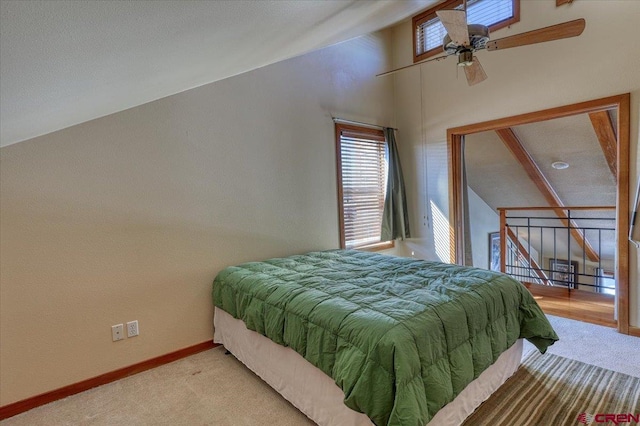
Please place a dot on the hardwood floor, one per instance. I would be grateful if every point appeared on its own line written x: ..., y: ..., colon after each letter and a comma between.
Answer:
x: 579, y: 305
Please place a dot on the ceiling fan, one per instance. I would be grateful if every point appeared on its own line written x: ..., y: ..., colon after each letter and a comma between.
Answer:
x: 463, y: 40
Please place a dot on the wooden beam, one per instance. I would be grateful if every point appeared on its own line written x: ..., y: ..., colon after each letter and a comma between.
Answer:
x: 514, y: 145
x: 603, y: 127
x: 561, y: 2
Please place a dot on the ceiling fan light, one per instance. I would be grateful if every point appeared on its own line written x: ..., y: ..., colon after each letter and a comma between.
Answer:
x: 465, y: 58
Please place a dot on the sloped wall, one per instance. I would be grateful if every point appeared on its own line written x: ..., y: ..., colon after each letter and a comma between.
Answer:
x: 131, y: 216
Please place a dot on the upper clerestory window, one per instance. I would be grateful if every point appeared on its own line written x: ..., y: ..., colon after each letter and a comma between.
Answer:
x: 428, y: 31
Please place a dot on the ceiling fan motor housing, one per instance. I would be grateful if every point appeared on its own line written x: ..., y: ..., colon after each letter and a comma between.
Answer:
x: 465, y: 58
x: 478, y: 38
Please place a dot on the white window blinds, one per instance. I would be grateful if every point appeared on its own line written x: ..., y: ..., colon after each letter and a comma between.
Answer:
x: 362, y: 179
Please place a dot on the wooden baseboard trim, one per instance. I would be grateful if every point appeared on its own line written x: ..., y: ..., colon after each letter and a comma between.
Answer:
x: 634, y: 331
x: 18, y: 407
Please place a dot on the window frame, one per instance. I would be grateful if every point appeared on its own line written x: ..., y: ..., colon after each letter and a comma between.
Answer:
x: 375, y: 134
x: 429, y: 14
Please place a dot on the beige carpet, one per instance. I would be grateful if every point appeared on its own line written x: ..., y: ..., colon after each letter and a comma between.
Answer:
x: 552, y: 390
x: 211, y: 388
x: 595, y: 344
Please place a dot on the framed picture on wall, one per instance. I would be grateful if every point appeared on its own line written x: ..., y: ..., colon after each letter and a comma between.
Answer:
x: 494, y: 251
x: 562, y: 273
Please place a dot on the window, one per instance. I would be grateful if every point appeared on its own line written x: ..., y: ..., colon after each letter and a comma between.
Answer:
x: 428, y: 30
x: 362, y: 178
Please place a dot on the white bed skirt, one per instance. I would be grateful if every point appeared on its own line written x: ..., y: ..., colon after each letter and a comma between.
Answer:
x: 316, y: 394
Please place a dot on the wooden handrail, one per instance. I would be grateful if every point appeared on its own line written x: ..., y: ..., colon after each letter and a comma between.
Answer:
x: 561, y: 208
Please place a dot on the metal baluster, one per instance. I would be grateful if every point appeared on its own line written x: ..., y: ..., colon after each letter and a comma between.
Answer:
x: 599, y: 259
x: 584, y: 254
x: 569, y: 284
x: 529, y: 244
x: 541, y: 251
x: 555, y: 254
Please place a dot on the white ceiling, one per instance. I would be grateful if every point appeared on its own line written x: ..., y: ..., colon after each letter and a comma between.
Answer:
x: 67, y: 62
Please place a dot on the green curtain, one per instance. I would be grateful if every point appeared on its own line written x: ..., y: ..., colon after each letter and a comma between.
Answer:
x: 395, y: 217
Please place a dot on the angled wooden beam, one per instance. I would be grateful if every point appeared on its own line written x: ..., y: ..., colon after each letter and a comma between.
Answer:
x: 561, y: 2
x: 525, y: 254
x: 514, y: 145
x: 603, y: 127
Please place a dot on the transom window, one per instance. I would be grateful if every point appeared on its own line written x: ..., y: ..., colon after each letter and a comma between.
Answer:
x: 362, y: 178
x: 429, y: 31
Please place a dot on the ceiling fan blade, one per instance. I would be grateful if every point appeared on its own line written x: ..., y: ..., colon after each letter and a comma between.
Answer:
x: 554, y: 32
x: 455, y: 22
x: 438, y: 58
x: 474, y: 72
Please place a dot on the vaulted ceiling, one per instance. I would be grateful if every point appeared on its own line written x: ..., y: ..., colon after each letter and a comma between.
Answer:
x: 66, y: 62
x: 499, y: 178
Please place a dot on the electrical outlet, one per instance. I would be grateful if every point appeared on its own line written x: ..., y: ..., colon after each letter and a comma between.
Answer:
x: 132, y: 328
x: 117, y: 332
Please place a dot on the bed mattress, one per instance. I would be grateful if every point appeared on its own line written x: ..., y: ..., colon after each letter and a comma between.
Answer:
x: 401, y: 337
x: 316, y: 394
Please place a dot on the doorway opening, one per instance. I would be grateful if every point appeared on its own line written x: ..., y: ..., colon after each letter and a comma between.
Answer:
x: 544, y: 196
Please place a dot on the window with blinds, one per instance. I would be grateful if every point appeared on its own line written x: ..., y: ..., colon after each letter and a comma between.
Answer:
x: 429, y: 31
x: 362, y: 177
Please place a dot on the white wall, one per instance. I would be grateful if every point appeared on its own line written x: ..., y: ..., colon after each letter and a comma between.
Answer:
x: 132, y: 215
x: 482, y: 220
x: 603, y: 61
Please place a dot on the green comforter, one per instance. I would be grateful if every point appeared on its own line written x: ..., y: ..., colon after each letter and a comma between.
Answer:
x: 401, y: 337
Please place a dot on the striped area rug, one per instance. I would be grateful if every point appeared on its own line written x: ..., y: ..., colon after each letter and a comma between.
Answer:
x: 550, y: 390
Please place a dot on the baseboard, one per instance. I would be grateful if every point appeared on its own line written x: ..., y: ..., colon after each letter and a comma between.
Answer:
x: 634, y: 331
x: 11, y: 410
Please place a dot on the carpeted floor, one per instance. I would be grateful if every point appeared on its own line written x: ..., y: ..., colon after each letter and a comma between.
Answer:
x: 211, y: 388
x: 595, y: 344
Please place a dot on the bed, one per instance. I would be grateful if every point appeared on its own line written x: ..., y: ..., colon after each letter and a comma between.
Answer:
x: 354, y: 337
